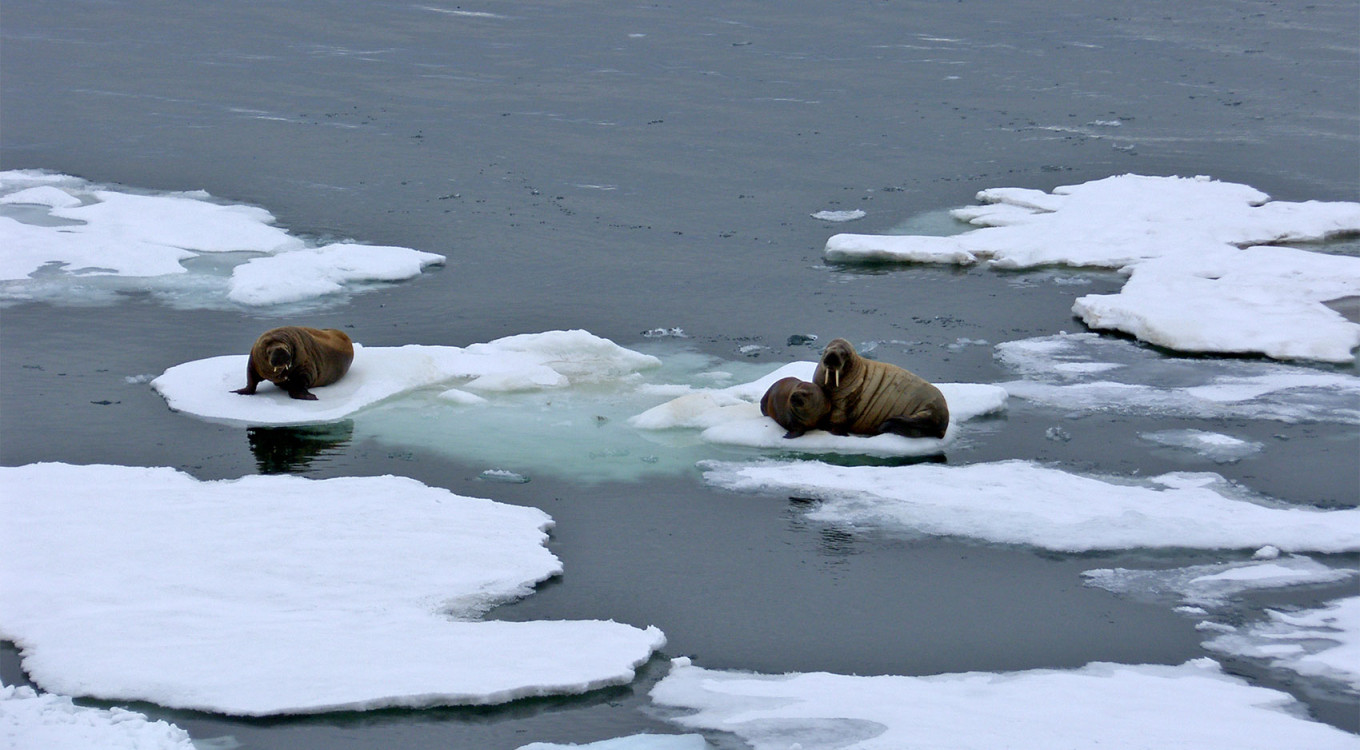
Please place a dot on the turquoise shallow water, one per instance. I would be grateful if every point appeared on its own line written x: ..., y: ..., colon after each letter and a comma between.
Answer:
x: 624, y: 169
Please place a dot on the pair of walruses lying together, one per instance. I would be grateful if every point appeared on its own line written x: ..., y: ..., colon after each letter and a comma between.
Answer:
x: 853, y: 395
x: 849, y: 394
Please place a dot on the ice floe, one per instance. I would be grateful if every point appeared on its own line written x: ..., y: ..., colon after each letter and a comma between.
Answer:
x: 1019, y: 502
x: 1205, y: 274
x: 526, y: 362
x: 1313, y: 643
x: 29, y: 719
x: 1087, y: 372
x: 1316, y: 643
x: 731, y: 416
x: 635, y: 742
x: 1100, y: 705
x: 1214, y: 585
x: 559, y: 402
x: 70, y: 240
x: 1216, y: 447
x: 278, y: 594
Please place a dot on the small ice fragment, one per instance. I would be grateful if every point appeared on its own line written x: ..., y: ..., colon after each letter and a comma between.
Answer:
x: 502, y: 475
x: 839, y: 216
x: 1268, y: 552
x: 1057, y: 434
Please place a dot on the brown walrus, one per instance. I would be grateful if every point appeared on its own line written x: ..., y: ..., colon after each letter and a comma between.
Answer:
x: 796, y: 405
x: 870, y: 398
x: 296, y: 358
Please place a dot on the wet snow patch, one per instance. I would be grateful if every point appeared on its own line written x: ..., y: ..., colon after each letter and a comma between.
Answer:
x: 1086, y: 372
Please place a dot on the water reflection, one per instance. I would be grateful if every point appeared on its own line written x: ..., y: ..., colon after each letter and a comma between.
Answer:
x: 282, y: 450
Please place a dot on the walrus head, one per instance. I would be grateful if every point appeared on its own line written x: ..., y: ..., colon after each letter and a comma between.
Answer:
x: 796, y: 405
x: 280, y: 357
x: 837, y: 359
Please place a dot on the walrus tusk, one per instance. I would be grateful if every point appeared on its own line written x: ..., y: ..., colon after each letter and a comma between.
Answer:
x: 838, y: 378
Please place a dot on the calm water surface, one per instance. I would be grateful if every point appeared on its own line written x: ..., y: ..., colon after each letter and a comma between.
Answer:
x: 621, y: 168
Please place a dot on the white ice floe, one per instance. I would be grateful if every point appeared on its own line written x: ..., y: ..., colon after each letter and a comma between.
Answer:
x: 1087, y: 372
x: 69, y: 240
x: 527, y: 362
x: 731, y: 416
x: 635, y: 742
x: 1019, y: 502
x: 52, y: 722
x: 839, y: 216
x: 1097, y: 706
x: 1216, y: 447
x: 278, y: 594
x: 1315, y: 643
x: 1204, y: 272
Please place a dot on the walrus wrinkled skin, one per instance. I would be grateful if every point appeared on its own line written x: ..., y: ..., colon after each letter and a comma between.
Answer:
x: 796, y: 405
x: 870, y: 398
x: 296, y: 358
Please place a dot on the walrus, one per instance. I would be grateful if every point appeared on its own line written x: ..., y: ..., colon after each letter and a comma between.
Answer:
x: 796, y: 405
x: 296, y: 358
x: 870, y: 398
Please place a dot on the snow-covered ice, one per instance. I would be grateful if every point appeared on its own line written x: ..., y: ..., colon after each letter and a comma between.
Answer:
x: 69, y: 240
x: 1019, y: 502
x: 32, y: 720
x: 1087, y: 372
x: 731, y: 416
x: 526, y: 362
x: 1315, y: 643
x: 1214, y: 446
x: 1205, y: 272
x: 635, y: 742
x: 278, y: 594
x: 1100, y: 705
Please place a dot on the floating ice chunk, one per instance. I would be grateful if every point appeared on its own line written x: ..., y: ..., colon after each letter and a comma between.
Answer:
x: 1216, y: 447
x: 1100, y: 705
x: 554, y: 359
x: 1214, y: 585
x: 731, y: 416
x: 1319, y: 643
x: 1018, y: 502
x: 1087, y: 372
x: 29, y: 719
x: 1266, y: 300
x: 839, y: 216
x: 277, y: 594
x: 66, y: 239
x: 1196, y: 283
x: 635, y: 742
x: 316, y: 272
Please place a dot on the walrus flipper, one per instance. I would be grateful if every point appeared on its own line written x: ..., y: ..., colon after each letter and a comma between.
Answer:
x: 252, y: 380
x: 913, y: 427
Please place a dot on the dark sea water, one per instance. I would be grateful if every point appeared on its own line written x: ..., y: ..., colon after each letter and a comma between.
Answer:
x: 622, y: 167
